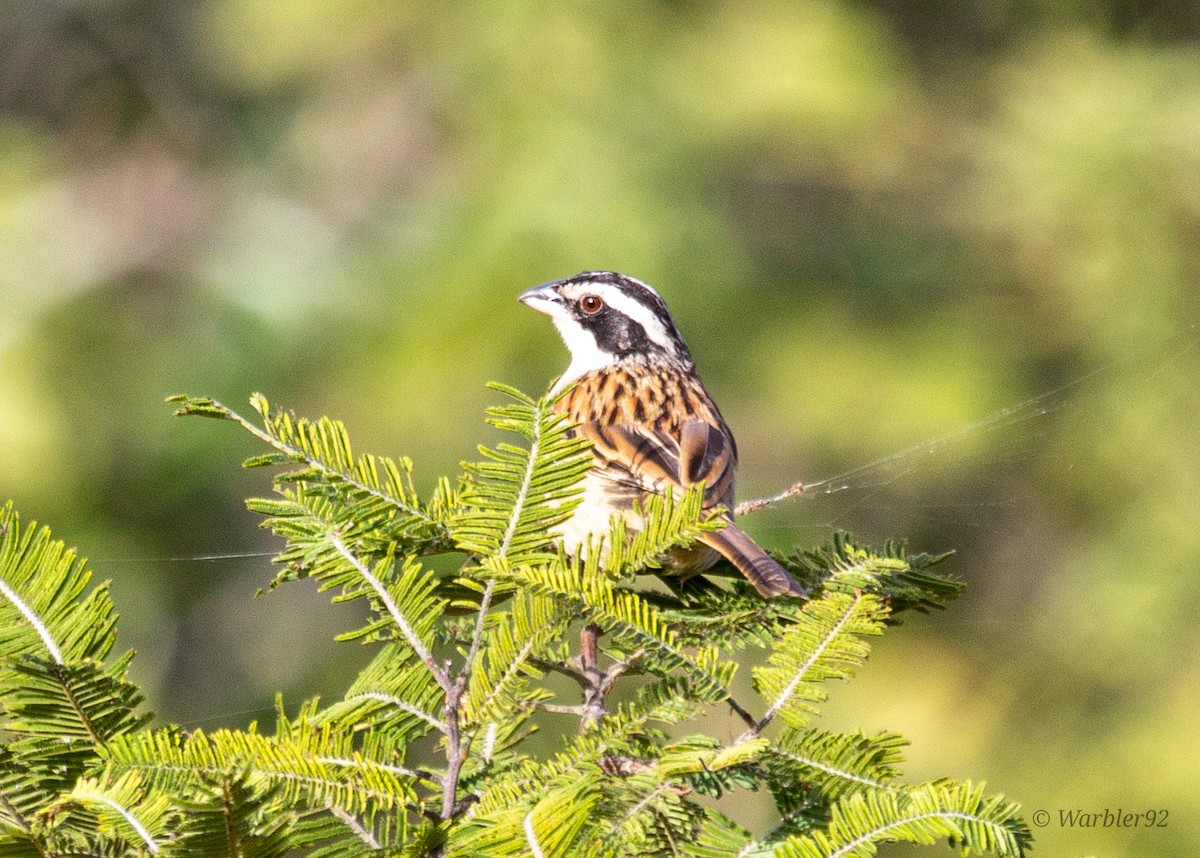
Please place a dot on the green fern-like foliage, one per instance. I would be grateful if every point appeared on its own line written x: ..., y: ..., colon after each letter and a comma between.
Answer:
x: 428, y: 752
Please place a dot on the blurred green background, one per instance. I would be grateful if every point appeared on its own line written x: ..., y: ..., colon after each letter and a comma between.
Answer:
x: 966, y: 234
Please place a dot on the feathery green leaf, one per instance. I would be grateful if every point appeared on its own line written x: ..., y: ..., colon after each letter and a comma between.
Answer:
x: 825, y: 643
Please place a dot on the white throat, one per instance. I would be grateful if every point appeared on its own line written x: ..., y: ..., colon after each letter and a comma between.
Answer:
x: 585, y: 354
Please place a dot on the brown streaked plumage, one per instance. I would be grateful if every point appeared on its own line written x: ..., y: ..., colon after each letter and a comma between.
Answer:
x: 633, y: 390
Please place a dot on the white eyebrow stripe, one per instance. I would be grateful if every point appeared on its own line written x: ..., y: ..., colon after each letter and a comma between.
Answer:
x: 601, y: 275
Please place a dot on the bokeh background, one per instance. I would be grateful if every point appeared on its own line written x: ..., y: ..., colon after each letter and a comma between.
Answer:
x: 938, y: 259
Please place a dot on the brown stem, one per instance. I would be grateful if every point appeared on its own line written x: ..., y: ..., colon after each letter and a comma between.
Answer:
x: 557, y: 667
x: 456, y: 750
x: 593, y: 677
x: 741, y: 712
x: 559, y: 709
x: 616, y: 671
x: 749, y: 506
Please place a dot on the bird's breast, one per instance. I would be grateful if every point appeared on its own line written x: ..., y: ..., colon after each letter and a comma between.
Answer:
x: 659, y: 398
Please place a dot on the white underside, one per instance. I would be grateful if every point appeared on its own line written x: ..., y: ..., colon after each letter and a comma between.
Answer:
x: 589, y: 525
x: 592, y: 518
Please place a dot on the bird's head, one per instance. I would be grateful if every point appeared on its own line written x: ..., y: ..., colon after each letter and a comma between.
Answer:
x: 607, y: 319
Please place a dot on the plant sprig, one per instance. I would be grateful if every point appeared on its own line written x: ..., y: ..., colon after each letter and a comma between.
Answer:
x: 428, y: 752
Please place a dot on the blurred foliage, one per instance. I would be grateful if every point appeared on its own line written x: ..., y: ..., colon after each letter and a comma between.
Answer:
x: 941, y: 209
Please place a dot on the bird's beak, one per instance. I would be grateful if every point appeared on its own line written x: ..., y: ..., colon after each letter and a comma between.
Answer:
x: 544, y: 298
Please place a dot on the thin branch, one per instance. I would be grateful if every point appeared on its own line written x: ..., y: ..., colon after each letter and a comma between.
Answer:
x: 402, y: 705
x: 14, y: 815
x: 618, y: 669
x: 595, y: 683
x: 593, y: 677
x: 615, y: 671
x: 803, y: 670
x: 741, y: 711
x: 458, y: 746
x: 626, y: 766
x: 485, y: 603
x: 749, y: 506
x: 403, y: 771
x: 406, y: 629
x: 558, y: 667
x: 517, y: 661
x: 354, y: 825
x: 559, y: 709
x: 456, y: 750
x: 296, y: 454
x: 35, y: 621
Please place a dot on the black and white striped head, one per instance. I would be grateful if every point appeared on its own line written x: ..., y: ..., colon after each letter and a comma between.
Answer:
x: 607, y: 319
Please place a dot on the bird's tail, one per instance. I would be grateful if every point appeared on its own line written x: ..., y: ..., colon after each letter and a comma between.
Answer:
x: 761, y: 570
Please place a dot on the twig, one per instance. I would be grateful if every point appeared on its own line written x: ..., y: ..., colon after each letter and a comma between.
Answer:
x: 457, y: 745
x: 741, y: 712
x: 557, y: 667
x: 559, y: 709
x: 595, y: 683
x: 618, y: 669
x: 441, y: 674
x: 593, y: 678
x: 749, y: 506
x: 456, y: 748
x: 354, y: 825
x: 13, y: 813
x: 485, y: 602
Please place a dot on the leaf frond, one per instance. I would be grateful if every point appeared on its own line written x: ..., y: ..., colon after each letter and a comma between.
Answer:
x: 631, y: 621
x: 44, y: 610
x: 826, y: 642
x: 516, y: 495
x: 960, y: 813
x: 906, y: 581
x: 428, y: 752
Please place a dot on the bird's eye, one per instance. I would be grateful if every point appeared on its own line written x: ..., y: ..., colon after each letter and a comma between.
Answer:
x: 591, y: 304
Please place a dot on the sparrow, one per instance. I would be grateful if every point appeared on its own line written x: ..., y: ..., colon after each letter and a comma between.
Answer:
x: 632, y: 390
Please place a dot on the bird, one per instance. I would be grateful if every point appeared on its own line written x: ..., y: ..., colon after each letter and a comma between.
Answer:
x: 631, y: 389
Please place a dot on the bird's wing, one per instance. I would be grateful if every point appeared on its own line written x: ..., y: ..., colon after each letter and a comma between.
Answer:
x: 648, y: 460
x: 653, y: 460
